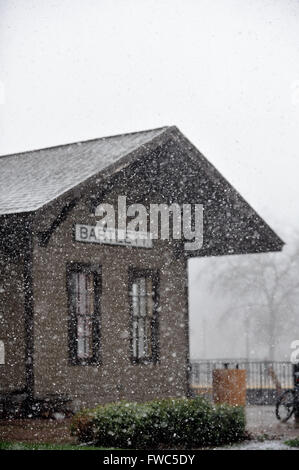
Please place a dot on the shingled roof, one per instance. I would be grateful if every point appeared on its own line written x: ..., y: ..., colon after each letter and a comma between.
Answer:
x: 30, y: 180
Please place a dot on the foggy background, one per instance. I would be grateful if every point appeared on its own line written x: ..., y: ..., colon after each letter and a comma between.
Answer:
x: 226, y: 73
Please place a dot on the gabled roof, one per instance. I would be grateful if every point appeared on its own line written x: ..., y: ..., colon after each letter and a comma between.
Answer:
x: 32, y: 179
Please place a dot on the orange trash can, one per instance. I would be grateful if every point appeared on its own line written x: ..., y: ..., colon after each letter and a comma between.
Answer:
x: 229, y: 386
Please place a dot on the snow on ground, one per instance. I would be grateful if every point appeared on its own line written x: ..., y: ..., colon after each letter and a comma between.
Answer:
x: 268, y: 433
x: 258, y: 445
x: 261, y: 421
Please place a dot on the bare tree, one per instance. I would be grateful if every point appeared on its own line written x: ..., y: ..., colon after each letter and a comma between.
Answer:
x: 263, y: 288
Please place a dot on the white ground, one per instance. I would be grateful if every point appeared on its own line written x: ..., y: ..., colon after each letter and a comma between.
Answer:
x: 262, y: 424
x: 266, y: 445
x: 261, y: 420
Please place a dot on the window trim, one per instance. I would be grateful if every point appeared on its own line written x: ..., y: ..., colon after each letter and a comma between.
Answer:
x: 87, y: 268
x: 155, y: 277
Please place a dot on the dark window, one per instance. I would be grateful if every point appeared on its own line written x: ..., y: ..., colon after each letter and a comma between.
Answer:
x: 144, y: 310
x: 84, y: 317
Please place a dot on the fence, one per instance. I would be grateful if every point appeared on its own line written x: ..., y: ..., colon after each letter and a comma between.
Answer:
x: 263, y: 382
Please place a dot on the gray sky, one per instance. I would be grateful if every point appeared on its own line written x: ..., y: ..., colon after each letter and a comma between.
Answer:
x: 226, y: 72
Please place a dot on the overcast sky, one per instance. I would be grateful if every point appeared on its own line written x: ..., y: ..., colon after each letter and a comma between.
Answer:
x: 226, y: 72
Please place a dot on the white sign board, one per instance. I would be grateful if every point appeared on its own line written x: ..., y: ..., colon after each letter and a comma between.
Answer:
x: 94, y: 234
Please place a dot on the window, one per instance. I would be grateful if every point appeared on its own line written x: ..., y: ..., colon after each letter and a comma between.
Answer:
x: 2, y: 352
x: 144, y: 322
x: 84, y: 316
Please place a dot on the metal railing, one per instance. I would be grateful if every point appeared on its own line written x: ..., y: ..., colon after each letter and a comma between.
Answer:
x: 263, y: 378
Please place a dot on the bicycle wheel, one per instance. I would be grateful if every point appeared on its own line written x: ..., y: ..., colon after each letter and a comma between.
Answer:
x: 285, y: 405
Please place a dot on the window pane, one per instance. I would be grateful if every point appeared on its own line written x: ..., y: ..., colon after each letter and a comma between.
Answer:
x: 2, y: 352
x: 80, y: 350
x: 134, y: 289
x: 135, y: 341
x: 150, y: 293
x: 84, y: 308
x: 141, y: 351
x: 84, y: 326
x: 142, y: 301
x: 135, y: 300
x: 142, y: 297
x: 149, y: 337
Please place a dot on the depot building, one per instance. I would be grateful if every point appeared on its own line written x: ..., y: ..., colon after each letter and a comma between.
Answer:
x: 103, y: 318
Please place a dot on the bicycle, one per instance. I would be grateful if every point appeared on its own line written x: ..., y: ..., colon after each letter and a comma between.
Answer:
x: 288, y: 402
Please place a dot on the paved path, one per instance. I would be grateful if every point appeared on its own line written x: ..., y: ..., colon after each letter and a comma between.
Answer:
x: 259, y: 445
x: 266, y: 431
x: 261, y: 420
